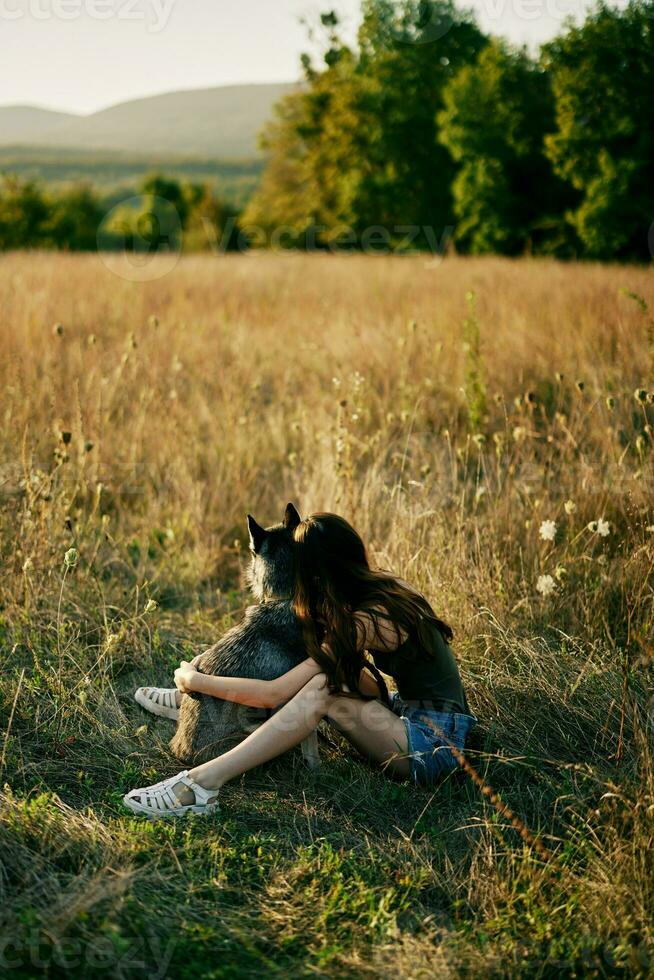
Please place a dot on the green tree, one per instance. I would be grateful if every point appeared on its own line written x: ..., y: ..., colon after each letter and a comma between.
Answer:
x: 23, y: 214
x: 495, y: 116
x: 301, y: 185
x: 358, y: 146
x: 157, y: 188
x: 74, y: 219
x: 408, y: 53
x: 211, y: 223
x: 603, y: 81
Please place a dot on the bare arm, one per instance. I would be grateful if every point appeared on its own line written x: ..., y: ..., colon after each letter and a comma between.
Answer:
x: 259, y: 693
x: 245, y: 690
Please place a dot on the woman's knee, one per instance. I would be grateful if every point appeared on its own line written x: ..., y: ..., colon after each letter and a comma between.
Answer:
x: 317, y: 692
x: 319, y: 683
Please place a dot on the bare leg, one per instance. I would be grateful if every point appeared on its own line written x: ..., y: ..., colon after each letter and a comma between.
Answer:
x: 369, y: 725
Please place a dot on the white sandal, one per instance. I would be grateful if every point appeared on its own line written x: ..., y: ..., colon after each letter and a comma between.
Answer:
x: 161, y: 800
x: 160, y: 701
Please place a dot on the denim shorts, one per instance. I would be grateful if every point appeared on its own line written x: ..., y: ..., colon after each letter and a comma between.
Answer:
x: 428, y: 733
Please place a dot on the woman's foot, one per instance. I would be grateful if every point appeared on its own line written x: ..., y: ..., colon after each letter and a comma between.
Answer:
x: 162, y: 701
x: 173, y: 797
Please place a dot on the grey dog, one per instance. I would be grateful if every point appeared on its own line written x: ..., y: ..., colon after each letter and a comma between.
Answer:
x: 265, y: 644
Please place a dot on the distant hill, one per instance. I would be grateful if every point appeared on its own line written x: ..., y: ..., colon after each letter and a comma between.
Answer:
x: 217, y: 122
x: 24, y: 123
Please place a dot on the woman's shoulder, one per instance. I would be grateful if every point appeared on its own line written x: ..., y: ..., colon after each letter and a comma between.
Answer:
x: 377, y: 631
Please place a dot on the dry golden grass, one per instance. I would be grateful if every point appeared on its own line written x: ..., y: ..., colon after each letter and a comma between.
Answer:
x: 140, y: 432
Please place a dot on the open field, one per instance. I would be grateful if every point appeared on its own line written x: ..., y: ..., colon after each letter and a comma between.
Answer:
x: 141, y: 432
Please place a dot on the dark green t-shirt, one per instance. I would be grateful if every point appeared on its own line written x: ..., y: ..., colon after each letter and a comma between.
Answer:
x: 424, y: 670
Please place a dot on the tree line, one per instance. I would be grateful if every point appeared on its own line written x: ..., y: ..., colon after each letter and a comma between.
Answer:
x: 428, y: 133
x: 160, y: 213
x: 429, y: 123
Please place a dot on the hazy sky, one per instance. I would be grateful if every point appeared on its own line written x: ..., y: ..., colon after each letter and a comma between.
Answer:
x: 83, y: 55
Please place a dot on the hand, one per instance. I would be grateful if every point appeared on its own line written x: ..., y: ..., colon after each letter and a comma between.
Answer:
x: 185, y: 677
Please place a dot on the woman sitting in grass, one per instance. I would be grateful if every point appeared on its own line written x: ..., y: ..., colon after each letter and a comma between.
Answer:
x: 347, y: 610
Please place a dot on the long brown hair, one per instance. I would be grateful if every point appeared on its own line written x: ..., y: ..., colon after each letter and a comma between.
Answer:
x: 333, y: 581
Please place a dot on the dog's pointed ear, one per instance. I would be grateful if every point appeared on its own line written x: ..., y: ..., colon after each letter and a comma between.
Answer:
x: 257, y: 534
x: 291, y: 518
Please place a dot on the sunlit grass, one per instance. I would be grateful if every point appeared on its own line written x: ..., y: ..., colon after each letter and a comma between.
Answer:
x: 487, y: 426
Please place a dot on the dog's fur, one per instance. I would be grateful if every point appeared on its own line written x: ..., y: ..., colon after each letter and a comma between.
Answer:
x: 267, y: 643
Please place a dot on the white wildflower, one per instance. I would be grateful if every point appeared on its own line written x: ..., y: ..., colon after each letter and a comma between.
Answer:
x: 569, y: 507
x: 603, y: 528
x: 150, y: 606
x: 545, y: 585
x: 548, y: 530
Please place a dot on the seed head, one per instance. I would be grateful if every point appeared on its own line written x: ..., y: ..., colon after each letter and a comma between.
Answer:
x: 640, y: 395
x: 71, y: 558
